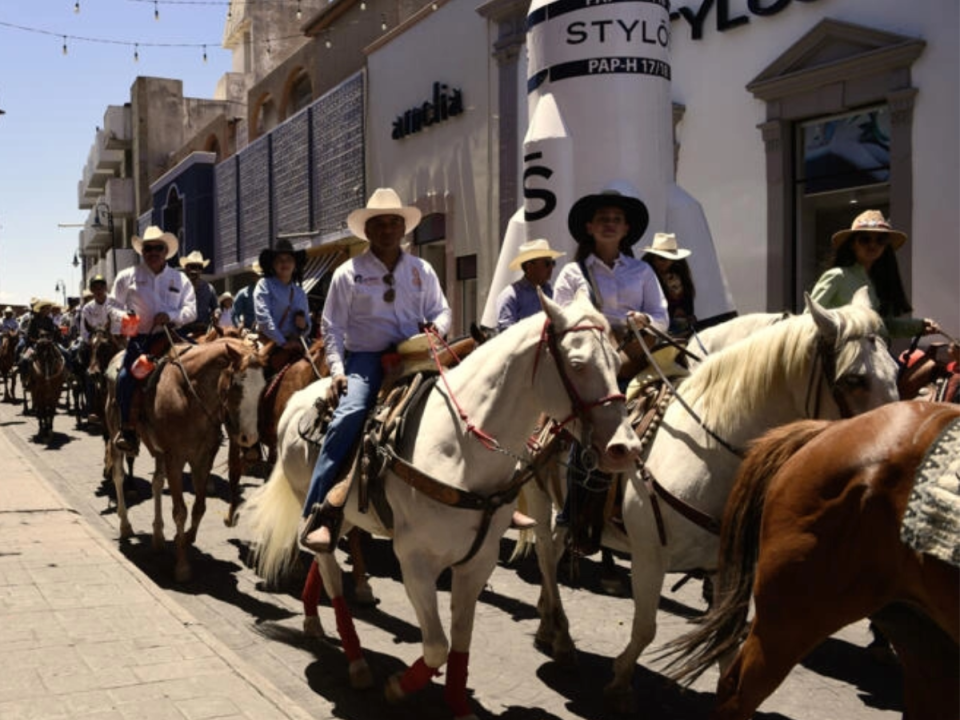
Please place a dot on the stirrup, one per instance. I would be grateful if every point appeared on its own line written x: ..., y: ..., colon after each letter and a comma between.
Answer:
x: 320, y: 530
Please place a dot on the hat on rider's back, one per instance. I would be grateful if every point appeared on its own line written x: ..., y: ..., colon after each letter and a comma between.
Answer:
x: 194, y: 258
x: 153, y: 233
x: 384, y: 201
x: 617, y: 194
x: 282, y: 247
x: 870, y: 221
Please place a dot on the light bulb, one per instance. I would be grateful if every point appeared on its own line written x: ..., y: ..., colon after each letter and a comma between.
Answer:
x: 64, y: 44
x: 328, y: 44
x: 76, y: 6
x: 204, y: 53
x: 299, y: 14
x: 383, y: 22
x: 363, y: 5
x: 136, y: 53
x: 156, y: 10
x: 433, y: 6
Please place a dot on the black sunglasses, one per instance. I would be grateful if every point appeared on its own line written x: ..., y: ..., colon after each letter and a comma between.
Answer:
x: 154, y: 248
x: 391, y: 294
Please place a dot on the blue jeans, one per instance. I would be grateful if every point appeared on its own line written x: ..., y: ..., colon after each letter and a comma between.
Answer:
x: 126, y: 382
x: 364, y: 377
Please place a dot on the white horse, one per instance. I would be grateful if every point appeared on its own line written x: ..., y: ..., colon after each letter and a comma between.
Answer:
x: 541, y: 364
x: 822, y: 364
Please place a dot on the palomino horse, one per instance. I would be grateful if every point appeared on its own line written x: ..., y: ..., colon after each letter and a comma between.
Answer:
x: 812, y: 533
x: 822, y: 364
x: 500, y: 389
x: 8, y: 365
x: 179, y: 422
x: 46, y: 382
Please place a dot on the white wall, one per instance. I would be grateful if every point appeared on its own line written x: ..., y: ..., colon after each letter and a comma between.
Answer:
x: 722, y: 160
x: 454, y: 161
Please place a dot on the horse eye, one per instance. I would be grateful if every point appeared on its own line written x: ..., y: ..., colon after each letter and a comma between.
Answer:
x: 577, y: 365
x: 854, y: 382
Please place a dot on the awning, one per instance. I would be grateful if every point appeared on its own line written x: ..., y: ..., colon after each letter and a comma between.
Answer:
x: 317, y: 267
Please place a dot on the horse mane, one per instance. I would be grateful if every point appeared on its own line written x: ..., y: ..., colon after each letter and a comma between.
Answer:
x: 734, y: 382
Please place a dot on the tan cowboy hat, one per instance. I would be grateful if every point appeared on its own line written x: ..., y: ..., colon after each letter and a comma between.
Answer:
x: 665, y: 245
x: 384, y: 201
x: 618, y: 194
x: 226, y: 296
x: 194, y: 258
x: 256, y: 267
x: 41, y: 303
x: 870, y: 221
x: 532, y: 250
x: 86, y: 295
x: 155, y: 233
x: 8, y: 310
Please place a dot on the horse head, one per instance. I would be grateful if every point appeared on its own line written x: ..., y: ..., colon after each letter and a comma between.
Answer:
x: 240, y: 387
x: 855, y: 361
x: 579, y: 339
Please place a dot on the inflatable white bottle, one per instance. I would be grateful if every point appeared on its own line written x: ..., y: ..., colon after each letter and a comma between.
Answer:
x: 598, y: 83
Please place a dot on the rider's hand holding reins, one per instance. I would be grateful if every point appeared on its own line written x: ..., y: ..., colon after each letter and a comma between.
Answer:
x: 638, y: 320
x: 338, y: 387
x: 160, y: 319
x: 930, y: 327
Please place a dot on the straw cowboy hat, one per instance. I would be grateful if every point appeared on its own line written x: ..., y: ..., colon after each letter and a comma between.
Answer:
x: 384, y: 201
x: 617, y: 194
x: 255, y: 268
x: 8, y: 310
x: 153, y: 233
x: 283, y: 247
x: 870, y: 221
x: 86, y: 295
x: 194, y: 258
x: 532, y: 250
x: 41, y: 304
x: 665, y: 245
x: 226, y: 296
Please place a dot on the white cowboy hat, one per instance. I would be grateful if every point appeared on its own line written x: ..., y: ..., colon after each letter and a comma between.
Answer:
x: 155, y: 233
x: 226, y: 296
x: 871, y: 221
x: 384, y: 201
x: 532, y: 250
x: 40, y: 304
x: 194, y: 258
x: 7, y: 310
x: 665, y: 245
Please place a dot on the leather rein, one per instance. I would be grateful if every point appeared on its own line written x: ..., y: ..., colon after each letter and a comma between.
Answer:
x: 489, y: 504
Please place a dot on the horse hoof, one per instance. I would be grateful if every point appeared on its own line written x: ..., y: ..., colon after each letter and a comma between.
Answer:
x: 230, y: 519
x: 158, y: 542
x: 619, y: 701
x: 392, y: 691
x: 364, y: 596
x: 565, y: 658
x: 614, y: 585
x: 312, y: 627
x: 360, y: 676
x: 126, y: 530
x: 182, y: 573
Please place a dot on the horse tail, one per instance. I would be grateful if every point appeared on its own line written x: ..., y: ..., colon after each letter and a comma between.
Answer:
x: 274, y: 512
x: 724, y: 627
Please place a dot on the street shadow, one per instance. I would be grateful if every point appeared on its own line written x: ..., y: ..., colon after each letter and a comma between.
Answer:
x: 211, y: 576
x: 880, y: 685
x: 8, y: 423
x: 57, y: 440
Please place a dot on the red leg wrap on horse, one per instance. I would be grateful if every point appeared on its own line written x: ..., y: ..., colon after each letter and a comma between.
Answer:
x: 455, y: 693
x: 417, y: 676
x: 312, y: 589
x: 346, y: 630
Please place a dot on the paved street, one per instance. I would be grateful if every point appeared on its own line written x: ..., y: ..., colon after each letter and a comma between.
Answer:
x: 228, y: 647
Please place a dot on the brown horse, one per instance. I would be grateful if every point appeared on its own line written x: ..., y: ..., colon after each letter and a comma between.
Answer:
x: 812, y: 531
x: 46, y: 383
x: 181, y: 414
x: 8, y: 365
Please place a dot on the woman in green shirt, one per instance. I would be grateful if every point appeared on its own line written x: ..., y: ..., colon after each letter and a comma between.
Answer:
x: 866, y: 255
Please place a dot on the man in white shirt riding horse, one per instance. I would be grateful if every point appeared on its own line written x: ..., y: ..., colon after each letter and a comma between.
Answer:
x: 376, y: 300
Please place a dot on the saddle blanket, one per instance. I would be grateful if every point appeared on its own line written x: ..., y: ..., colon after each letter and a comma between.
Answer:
x: 931, y: 523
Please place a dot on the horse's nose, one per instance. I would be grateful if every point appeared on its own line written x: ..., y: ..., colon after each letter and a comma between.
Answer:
x: 247, y: 439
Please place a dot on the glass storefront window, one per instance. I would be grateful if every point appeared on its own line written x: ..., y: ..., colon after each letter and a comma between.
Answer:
x: 842, y: 168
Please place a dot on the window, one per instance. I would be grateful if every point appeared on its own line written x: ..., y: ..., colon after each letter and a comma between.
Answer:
x: 843, y: 167
x: 300, y: 94
x: 827, y: 158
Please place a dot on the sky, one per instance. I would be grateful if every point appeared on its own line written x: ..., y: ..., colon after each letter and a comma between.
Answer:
x: 53, y: 104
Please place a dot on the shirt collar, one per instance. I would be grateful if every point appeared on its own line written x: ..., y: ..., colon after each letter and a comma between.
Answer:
x: 594, y: 261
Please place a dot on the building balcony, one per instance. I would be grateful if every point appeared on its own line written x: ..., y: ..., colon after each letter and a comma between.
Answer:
x: 117, y: 133
x: 119, y: 196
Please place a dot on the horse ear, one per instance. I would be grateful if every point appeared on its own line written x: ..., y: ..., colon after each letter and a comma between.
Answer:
x: 826, y: 321
x: 552, y: 310
x: 861, y: 298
